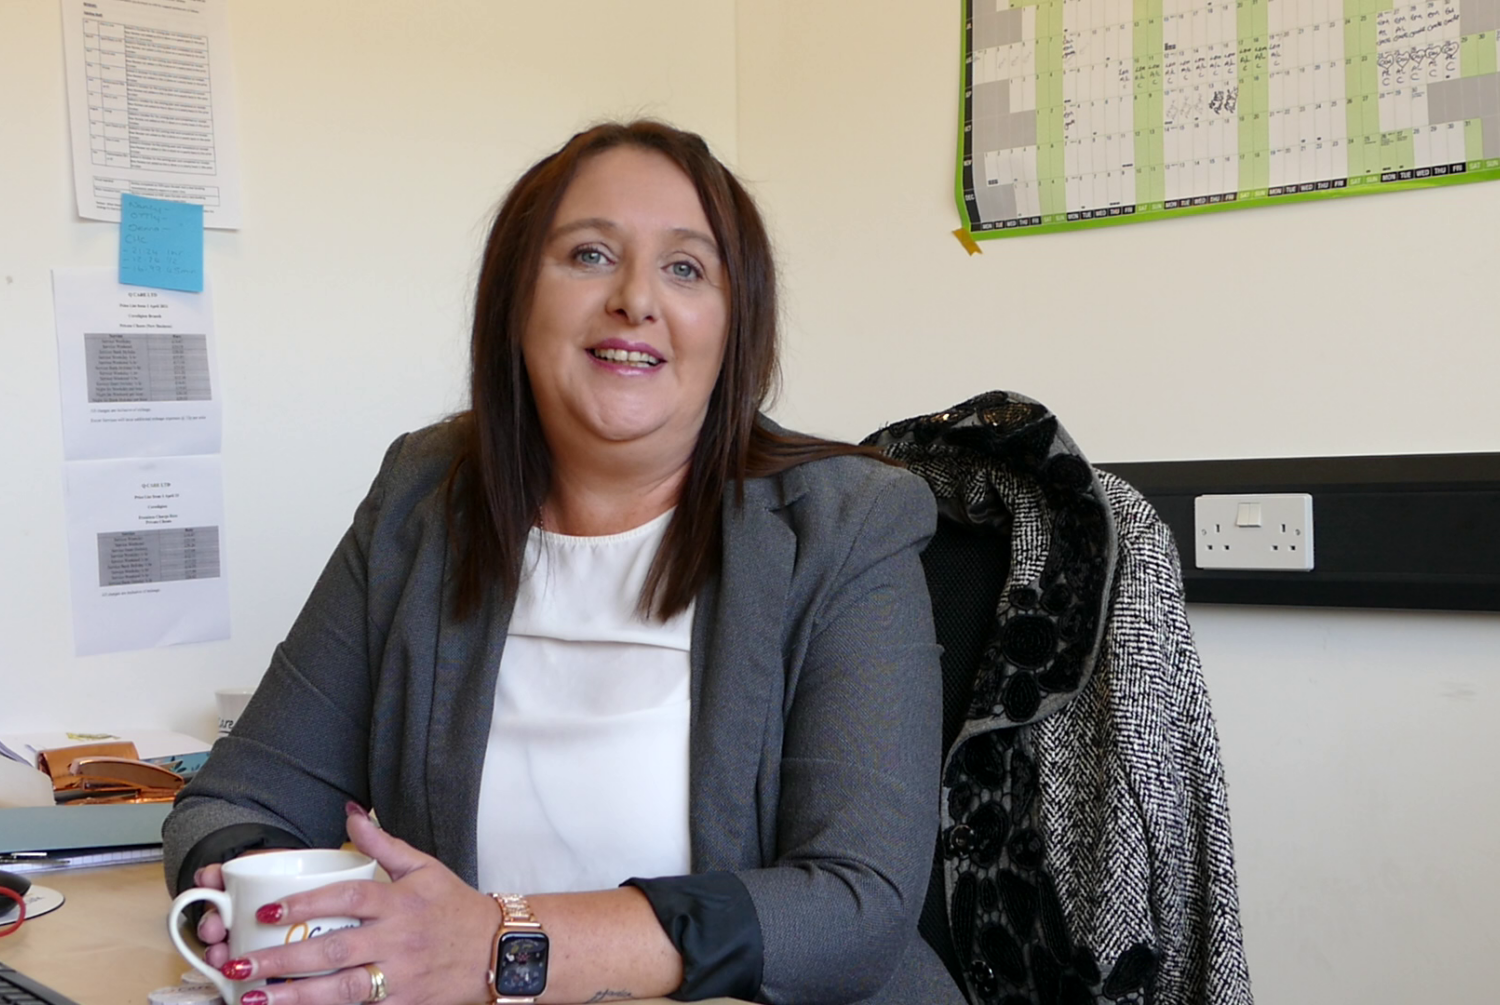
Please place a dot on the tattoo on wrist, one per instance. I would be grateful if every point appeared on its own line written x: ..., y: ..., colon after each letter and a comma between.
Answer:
x: 608, y: 995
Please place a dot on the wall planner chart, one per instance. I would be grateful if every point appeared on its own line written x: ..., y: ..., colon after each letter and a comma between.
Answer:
x: 1086, y: 113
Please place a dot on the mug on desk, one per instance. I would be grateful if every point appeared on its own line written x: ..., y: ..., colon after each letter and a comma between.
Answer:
x: 231, y: 702
x: 253, y: 881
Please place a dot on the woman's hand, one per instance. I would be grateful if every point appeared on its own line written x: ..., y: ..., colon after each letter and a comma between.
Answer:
x: 211, y: 930
x: 427, y: 931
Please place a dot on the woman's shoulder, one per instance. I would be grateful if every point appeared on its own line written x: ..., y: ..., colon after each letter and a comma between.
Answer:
x: 834, y: 524
x: 420, y: 450
x: 422, y: 457
x: 412, y: 480
x: 855, y: 476
x: 847, y: 490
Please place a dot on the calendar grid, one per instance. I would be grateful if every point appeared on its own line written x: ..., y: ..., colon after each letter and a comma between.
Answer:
x: 1082, y: 113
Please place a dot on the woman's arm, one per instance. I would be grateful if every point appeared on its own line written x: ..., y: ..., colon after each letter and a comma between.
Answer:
x: 299, y: 751
x: 861, y: 753
x: 850, y: 757
x: 431, y: 936
x: 607, y: 946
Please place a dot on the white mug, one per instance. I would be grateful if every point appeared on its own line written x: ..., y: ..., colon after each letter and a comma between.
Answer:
x: 231, y: 702
x: 252, y: 881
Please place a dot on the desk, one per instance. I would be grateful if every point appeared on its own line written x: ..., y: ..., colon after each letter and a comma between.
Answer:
x: 108, y: 944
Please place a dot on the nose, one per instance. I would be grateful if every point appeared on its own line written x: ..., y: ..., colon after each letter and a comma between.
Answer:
x: 634, y: 296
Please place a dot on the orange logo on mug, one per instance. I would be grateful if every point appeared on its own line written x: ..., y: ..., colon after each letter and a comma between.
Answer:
x: 303, y: 930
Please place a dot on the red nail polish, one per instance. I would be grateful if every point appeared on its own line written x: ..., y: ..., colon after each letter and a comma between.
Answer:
x: 270, y: 914
x: 254, y: 998
x: 236, y: 970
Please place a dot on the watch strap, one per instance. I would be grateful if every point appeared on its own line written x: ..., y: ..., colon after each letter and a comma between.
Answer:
x: 515, y: 912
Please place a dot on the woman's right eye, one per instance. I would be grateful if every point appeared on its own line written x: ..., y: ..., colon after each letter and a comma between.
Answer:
x: 589, y: 256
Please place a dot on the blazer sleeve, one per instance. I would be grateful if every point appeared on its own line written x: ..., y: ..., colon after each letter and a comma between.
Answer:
x: 300, y: 750
x: 833, y: 913
x: 857, y: 816
x: 861, y: 757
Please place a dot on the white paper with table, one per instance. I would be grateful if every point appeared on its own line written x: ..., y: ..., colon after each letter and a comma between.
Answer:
x: 146, y: 553
x: 150, y: 100
x: 138, y: 368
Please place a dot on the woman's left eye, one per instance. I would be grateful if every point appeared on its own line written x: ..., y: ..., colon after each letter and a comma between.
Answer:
x: 685, y: 270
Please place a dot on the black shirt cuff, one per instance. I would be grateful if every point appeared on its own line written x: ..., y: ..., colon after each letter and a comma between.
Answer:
x: 711, y: 920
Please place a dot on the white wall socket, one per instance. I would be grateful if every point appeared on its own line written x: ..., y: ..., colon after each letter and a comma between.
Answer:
x: 1254, y: 532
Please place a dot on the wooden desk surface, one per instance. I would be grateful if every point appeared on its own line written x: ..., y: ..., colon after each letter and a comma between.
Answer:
x: 108, y: 944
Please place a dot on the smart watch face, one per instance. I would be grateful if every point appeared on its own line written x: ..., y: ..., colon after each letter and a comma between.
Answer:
x: 522, y: 969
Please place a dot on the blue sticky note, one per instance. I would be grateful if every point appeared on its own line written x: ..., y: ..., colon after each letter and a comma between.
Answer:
x: 161, y: 243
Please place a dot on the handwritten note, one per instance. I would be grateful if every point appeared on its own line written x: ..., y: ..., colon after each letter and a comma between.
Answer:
x: 161, y: 243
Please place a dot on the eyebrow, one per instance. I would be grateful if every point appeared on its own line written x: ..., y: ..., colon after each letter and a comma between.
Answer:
x: 610, y: 227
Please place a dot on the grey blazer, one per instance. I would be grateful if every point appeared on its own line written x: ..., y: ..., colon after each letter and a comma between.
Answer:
x: 814, y: 736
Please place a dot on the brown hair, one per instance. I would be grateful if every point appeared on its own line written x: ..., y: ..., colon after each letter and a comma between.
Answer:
x: 501, y: 474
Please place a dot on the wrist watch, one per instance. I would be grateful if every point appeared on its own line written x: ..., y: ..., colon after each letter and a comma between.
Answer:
x: 518, y: 962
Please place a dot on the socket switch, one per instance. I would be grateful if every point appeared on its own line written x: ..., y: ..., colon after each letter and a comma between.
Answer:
x: 1273, y: 532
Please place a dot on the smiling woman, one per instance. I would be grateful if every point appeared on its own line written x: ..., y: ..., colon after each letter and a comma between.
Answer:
x: 625, y: 337
x: 610, y: 644
x: 507, y: 465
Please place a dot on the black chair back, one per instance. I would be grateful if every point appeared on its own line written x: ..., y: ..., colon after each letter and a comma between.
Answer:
x: 966, y: 569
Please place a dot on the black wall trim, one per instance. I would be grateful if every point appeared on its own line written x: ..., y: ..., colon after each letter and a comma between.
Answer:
x: 1416, y: 530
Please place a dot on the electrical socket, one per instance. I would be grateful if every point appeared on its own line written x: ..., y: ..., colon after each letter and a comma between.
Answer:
x: 1254, y: 532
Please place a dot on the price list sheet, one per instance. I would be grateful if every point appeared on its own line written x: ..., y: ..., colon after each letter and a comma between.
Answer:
x: 150, y: 367
x: 146, y: 555
x: 150, y: 103
x: 1089, y: 113
x: 142, y: 428
x: 130, y: 557
x: 138, y: 368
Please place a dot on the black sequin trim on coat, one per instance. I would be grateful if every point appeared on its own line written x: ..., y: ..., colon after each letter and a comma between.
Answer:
x: 1047, y: 629
x: 984, y: 459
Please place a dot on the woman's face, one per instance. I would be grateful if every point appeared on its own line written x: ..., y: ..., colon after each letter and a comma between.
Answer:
x: 629, y: 315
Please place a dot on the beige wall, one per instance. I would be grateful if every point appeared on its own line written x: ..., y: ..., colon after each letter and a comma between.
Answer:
x: 1361, y: 747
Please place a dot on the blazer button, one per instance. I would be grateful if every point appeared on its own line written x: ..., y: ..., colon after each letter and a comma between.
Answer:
x: 960, y: 840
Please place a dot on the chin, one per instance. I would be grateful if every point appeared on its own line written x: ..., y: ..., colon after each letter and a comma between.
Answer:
x: 623, y: 425
x: 626, y: 434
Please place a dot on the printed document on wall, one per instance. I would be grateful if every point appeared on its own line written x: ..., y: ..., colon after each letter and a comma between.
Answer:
x: 146, y: 553
x: 150, y: 99
x: 138, y: 366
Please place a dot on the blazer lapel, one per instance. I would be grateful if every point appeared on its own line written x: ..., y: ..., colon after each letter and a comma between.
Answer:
x: 738, y: 678
x: 463, y: 700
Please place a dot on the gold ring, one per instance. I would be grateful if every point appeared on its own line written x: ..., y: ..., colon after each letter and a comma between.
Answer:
x: 378, y: 991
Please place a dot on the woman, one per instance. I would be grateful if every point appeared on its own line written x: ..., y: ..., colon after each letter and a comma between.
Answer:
x: 608, y: 625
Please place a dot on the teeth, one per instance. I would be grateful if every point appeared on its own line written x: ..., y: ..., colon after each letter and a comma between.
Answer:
x: 630, y: 357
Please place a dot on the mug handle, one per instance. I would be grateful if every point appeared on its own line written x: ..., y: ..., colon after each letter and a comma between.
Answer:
x: 219, y: 899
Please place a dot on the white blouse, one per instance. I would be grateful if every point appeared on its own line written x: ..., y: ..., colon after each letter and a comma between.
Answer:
x: 585, y: 780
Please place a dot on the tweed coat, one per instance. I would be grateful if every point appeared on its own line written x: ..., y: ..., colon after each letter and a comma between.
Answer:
x: 813, y: 742
x: 1086, y: 853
